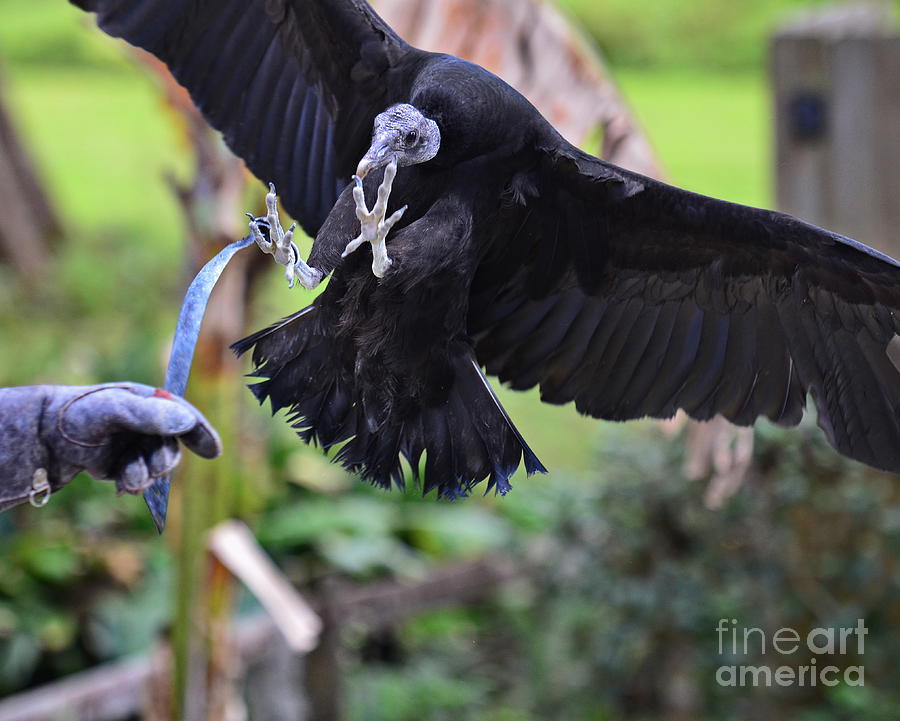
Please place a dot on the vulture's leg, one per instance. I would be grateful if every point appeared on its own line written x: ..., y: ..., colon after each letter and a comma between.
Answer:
x: 279, y: 244
x: 374, y: 227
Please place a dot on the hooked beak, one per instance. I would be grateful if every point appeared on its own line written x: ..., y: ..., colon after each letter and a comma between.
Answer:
x: 376, y: 156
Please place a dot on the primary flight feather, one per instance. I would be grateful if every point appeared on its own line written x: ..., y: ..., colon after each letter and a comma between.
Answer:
x: 497, y: 244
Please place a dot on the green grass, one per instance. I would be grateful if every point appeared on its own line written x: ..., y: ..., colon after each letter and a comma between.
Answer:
x: 712, y: 131
x: 45, y: 33
x: 715, y: 35
x: 101, y: 146
x: 103, y: 142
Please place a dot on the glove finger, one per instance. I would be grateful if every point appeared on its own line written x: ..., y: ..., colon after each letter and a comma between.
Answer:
x: 134, y: 476
x: 99, y: 413
x: 199, y: 436
x: 152, y: 416
x: 163, y: 458
x: 203, y: 439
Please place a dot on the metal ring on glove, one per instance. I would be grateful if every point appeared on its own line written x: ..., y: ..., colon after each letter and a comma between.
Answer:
x: 40, y: 492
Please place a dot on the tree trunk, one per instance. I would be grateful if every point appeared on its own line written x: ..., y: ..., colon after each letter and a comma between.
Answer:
x: 29, y: 225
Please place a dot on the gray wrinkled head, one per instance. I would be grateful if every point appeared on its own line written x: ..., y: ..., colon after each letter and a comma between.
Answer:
x: 403, y: 134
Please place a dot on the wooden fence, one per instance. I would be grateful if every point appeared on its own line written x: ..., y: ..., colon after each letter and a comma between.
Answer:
x: 119, y: 690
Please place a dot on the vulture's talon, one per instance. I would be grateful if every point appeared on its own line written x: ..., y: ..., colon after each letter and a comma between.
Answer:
x: 373, y: 226
x: 280, y: 245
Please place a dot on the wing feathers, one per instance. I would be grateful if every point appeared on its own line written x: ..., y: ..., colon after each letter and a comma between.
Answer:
x: 555, y: 386
x: 253, y: 68
x: 637, y: 299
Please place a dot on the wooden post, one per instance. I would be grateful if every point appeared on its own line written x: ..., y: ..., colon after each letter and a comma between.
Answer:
x: 324, y: 674
x: 836, y: 79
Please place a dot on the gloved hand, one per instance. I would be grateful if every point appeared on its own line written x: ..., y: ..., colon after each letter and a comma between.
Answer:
x: 125, y: 432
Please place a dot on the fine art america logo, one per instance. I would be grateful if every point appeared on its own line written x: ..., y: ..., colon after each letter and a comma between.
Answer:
x: 815, y: 649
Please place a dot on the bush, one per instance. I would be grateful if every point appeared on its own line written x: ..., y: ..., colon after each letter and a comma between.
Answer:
x: 619, y: 619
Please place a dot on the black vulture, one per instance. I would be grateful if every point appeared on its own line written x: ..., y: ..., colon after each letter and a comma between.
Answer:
x: 517, y: 253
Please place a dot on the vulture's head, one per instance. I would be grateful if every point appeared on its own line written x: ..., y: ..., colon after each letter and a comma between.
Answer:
x: 403, y: 134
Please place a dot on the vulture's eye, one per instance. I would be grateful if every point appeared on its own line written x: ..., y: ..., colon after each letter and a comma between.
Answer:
x: 411, y: 137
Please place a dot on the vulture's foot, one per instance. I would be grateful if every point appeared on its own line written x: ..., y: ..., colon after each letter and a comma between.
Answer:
x: 280, y: 245
x: 374, y: 227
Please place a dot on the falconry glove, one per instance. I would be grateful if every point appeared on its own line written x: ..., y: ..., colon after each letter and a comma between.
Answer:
x: 125, y: 432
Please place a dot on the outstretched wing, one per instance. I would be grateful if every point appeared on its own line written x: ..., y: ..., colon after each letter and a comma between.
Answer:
x: 293, y: 85
x: 634, y: 298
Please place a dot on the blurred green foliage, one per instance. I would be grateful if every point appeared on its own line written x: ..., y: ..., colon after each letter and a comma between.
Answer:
x: 632, y: 571
x: 632, y: 575
x: 83, y: 582
x: 715, y: 35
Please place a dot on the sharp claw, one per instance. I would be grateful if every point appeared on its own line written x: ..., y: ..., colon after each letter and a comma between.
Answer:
x: 352, y: 246
x: 374, y: 227
x: 280, y: 244
x: 389, y: 223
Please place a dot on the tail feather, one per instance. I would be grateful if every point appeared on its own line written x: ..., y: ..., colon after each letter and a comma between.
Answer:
x: 440, y: 468
x: 505, y: 445
x: 278, y: 343
x: 375, y: 456
x: 466, y: 439
x: 413, y: 445
x: 335, y: 422
x: 472, y: 454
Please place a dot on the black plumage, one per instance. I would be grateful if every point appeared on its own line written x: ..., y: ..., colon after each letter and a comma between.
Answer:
x: 518, y: 253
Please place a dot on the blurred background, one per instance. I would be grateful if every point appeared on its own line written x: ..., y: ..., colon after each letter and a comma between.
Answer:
x: 592, y: 593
